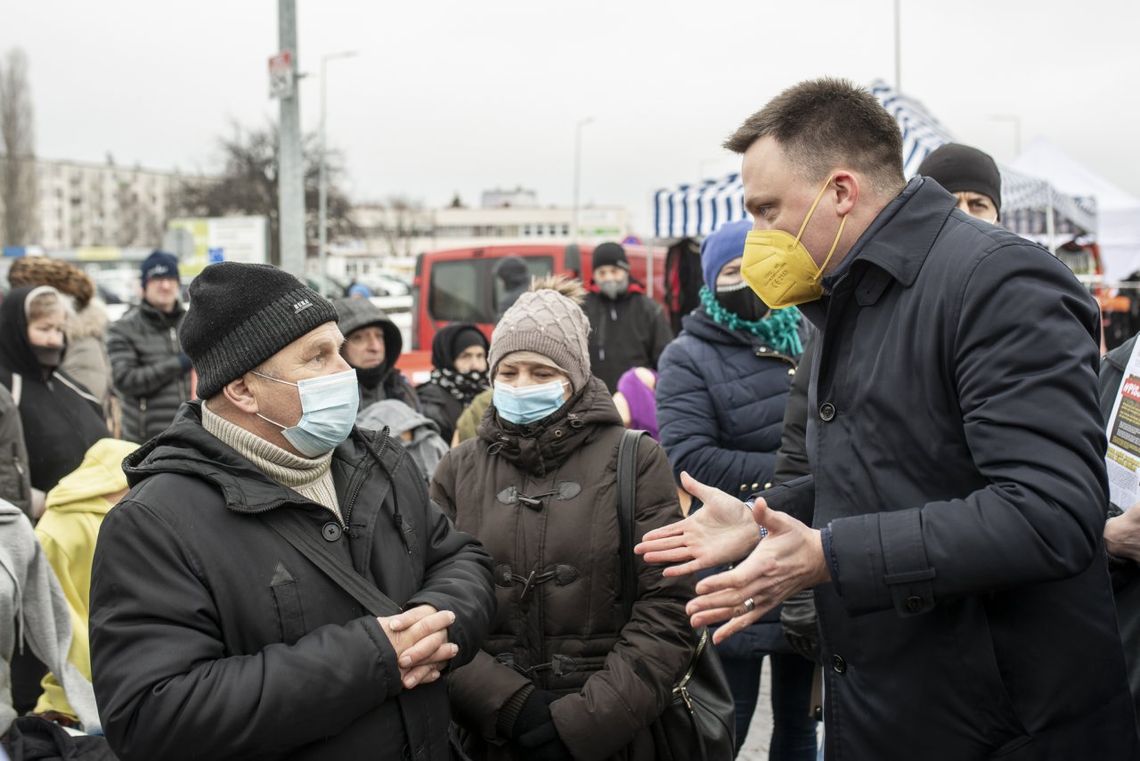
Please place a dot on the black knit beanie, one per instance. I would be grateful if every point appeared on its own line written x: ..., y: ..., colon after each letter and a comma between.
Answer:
x: 241, y: 315
x: 960, y: 168
x: 611, y: 254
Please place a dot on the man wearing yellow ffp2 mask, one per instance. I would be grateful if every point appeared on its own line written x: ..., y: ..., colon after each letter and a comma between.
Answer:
x: 949, y: 527
x: 780, y: 269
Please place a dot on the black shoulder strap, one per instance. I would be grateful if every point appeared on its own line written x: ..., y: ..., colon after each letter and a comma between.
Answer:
x: 306, y: 542
x: 627, y: 502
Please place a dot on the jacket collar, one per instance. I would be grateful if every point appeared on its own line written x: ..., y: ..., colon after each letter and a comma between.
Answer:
x: 901, y: 236
x: 189, y: 449
x: 542, y: 447
x: 1119, y: 356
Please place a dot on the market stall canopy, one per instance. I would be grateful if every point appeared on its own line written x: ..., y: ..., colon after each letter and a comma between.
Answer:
x: 1030, y: 206
x: 1118, y: 212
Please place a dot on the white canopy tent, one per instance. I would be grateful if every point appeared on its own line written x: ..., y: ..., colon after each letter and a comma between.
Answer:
x: 1118, y: 212
x: 1030, y: 206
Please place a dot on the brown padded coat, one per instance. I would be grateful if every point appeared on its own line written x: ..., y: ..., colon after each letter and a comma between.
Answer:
x: 566, y: 628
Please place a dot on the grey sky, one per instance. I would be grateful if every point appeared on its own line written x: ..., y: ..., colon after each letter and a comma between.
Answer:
x: 460, y: 96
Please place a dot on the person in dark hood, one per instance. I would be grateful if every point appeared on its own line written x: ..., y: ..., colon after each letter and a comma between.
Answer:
x: 562, y: 676
x: 372, y: 344
x: 515, y: 276
x: 627, y: 328
x: 459, y: 374
x: 61, y: 419
x: 721, y: 399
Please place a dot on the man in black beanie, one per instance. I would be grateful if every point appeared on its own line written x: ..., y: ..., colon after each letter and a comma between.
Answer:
x: 627, y: 328
x: 277, y: 584
x: 972, y: 176
x: 149, y: 371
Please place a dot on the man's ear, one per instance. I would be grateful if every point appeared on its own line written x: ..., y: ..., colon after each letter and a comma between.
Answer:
x: 238, y: 393
x: 847, y: 191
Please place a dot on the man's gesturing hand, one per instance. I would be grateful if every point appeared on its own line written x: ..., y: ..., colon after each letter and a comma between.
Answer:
x: 722, y: 531
x: 789, y: 559
x: 419, y: 637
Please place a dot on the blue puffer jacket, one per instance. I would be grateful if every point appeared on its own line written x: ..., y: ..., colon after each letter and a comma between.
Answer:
x: 721, y: 395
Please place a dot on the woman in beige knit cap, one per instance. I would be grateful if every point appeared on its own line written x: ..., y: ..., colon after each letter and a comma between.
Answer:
x: 564, y: 673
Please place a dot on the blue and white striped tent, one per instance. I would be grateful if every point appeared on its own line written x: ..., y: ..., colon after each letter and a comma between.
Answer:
x: 1029, y: 205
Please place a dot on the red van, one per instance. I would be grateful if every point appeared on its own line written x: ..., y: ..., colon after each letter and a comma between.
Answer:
x: 459, y: 285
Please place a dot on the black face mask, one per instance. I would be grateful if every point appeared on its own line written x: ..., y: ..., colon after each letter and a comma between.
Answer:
x: 49, y: 357
x: 742, y: 302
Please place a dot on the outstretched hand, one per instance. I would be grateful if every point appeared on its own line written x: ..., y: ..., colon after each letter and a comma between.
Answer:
x: 722, y: 531
x: 789, y: 559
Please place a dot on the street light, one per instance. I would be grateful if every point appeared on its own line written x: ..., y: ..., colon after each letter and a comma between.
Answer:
x: 577, y: 173
x: 1015, y: 120
x: 322, y: 174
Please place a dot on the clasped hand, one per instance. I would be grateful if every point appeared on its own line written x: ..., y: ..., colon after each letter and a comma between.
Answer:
x: 725, y: 531
x: 419, y: 637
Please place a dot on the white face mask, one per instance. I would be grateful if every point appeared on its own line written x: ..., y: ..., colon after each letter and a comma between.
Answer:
x: 328, y: 411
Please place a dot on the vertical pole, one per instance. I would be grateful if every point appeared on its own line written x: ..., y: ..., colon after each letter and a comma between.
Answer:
x: 290, y: 171
x: 322, y: 189
x: 577, y: 173
x: 898, y: 48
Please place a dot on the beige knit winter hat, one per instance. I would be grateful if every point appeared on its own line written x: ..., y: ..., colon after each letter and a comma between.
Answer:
x: 547, y: 320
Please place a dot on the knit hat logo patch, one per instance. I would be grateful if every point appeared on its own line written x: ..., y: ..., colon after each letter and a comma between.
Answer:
x: 301, y: 306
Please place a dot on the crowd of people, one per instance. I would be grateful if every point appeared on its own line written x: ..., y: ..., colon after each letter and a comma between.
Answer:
x: 873, y: 458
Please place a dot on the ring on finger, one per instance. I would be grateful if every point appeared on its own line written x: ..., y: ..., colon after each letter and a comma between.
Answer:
x: 749, y: 605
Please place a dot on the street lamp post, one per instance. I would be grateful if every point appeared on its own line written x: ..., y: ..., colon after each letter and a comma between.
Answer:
x: 577, y: 173
x: 1015, y: 120
x: 322, y: 175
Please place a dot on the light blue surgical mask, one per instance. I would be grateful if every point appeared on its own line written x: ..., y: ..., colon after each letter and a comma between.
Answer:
x: 526, y: 404
x: 328, y: 411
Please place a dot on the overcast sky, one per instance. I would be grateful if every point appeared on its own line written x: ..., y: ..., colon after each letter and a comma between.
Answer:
x: 463, y: 95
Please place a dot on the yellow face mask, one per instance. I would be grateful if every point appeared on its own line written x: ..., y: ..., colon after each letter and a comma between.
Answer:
x: 779, y: 269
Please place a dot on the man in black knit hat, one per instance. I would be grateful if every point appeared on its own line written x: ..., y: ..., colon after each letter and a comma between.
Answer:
x: 972, y: 176
x: 627, y: 328
x: 224, y: 624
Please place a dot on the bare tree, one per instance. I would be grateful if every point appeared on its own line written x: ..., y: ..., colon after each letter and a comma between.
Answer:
x: 399, y: 226
x: 17, y: 140
x: 247, y: 184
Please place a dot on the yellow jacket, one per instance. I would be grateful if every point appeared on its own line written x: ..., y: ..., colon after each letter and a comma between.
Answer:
x: 75, y: 509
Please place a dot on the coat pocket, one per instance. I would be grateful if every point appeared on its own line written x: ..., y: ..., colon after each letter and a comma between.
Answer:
x: 287, y: 598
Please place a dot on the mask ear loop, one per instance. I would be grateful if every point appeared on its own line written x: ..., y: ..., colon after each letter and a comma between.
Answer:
x: 838, y: 234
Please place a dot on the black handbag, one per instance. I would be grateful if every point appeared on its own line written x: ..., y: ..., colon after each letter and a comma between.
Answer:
x: 699, y: 722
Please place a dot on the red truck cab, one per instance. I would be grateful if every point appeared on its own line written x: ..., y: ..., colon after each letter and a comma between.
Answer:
x: 459, y: 285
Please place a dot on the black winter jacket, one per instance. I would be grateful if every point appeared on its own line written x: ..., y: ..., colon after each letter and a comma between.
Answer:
x: 625, y: 333
x: 60, y: 419
x: 212, y: 637
x: 150, y: 375
x: 1125, y: 573
x: 957, y: 457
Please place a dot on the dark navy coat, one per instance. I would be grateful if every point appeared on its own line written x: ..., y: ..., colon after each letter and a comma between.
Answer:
x: 957, y: 452
x: 721, y: 395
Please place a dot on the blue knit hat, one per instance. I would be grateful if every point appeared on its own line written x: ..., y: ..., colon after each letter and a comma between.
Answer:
x: 720, y: 248
x: 160, y: 264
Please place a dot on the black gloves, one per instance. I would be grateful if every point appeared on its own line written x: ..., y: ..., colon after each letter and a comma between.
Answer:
x: 534, y: 730
x: 801, y: 626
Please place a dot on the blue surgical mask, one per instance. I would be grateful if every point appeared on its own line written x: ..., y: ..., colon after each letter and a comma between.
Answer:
x: 526, y: 404
x: 328, y: 411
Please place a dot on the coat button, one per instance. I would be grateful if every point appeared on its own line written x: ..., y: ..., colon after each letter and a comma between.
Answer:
x: 838, y: 664
x: 755, y: 487
x: 827, y: 412
x: 331, y: 531
x: 744, y: 487
x: 914, y: 604
x: 791, y: 371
